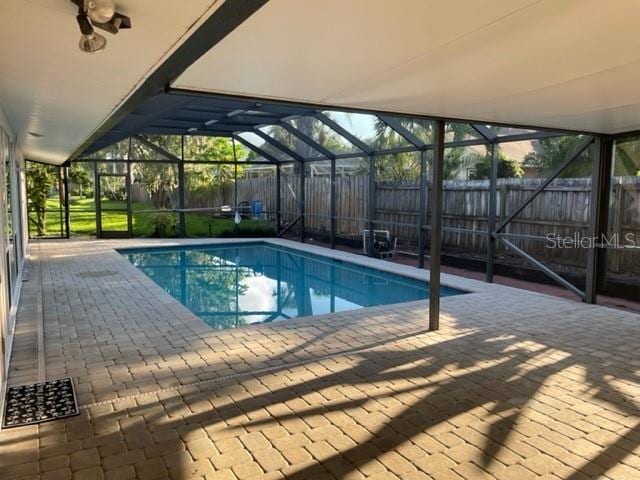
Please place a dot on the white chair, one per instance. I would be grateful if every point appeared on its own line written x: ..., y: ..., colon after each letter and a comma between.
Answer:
x: 384, y: 244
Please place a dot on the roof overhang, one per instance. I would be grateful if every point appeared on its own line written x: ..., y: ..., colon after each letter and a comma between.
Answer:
x: 570, y: 66
x: 57, y: 98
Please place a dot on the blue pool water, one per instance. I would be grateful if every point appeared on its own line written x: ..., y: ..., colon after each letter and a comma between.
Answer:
x: 236, y: 284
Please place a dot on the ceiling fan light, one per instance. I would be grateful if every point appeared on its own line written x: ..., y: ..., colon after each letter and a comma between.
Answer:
x: 92, y: 43
x: 100, y: 11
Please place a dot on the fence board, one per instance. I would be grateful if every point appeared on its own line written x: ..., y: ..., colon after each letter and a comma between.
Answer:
x: 562, y: 209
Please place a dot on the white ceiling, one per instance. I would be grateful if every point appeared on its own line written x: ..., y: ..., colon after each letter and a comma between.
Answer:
x: 571, y: 64
x: 49, y: 87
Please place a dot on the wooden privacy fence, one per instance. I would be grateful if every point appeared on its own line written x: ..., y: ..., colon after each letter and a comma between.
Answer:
x: 562, y: 209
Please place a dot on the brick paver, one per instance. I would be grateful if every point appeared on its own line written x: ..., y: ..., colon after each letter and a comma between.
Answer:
x: 515, y: 385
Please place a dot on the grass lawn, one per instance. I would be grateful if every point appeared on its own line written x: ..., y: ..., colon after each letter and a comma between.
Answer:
x: 83, y: 221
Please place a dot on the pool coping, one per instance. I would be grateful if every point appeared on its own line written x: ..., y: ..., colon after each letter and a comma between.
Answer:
x: 447, y: 280
x: 470, y: 286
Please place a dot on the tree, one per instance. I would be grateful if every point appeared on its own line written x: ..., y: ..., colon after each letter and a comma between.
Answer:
x: 81, y: 176
x: 112, y: 187
x: 406, y: 165
x: 213, y: 149
x: 507, y: 167
x: 395, y: 167
x: 398, y: 167
x: 40, y: 181
x: 554, y: 151
x: 627, y: 155
x: 160, y: 180
x: 459, y: 159
x: 116, y: 151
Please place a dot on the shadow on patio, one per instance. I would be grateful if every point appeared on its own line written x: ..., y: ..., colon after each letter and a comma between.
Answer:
x: 477, y: 403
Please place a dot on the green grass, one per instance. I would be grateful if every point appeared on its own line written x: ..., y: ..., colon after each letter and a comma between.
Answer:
x: 83, y: 221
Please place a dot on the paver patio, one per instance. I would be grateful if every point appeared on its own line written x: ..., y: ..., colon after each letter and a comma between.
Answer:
x: 515, y: 385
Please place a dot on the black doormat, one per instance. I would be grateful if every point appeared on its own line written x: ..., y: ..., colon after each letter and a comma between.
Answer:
x: 39, y: 402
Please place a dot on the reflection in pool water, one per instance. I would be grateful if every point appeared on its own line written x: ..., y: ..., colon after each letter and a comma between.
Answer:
x: 237, y: 284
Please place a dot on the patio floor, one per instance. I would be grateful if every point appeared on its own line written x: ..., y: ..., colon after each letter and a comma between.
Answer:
x: 515, y: 385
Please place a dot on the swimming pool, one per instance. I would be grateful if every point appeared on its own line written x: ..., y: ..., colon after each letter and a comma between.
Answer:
x: 234, y: 284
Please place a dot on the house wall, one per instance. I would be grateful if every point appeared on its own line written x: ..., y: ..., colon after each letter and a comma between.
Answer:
x: 13, y: 240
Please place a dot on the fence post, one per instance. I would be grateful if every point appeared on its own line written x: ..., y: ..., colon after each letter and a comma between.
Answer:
x: 61, y: 199
x: 181, y: 201
x: 129, y: 203
x: 67, y: 219
x: 181, y: 196
x: 302, y: 200
x: 491, y: 216
x: 422, y: 210
x: 616, y: 255
x: 504, y: 192
x: 96, y: 200
x: 371, y: 202
x: 278, y: 199
x: 333, y: 203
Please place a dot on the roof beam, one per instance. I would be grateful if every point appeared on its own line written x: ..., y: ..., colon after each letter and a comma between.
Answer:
x: 344, y: 132
x: 466, y: 143
x: 279, y: 146
x: 307, y: 139
x: 484, y: 132
x: 258, y: 150
x: 519, y: 137
x: 156, y: 148
x: 394, y: 124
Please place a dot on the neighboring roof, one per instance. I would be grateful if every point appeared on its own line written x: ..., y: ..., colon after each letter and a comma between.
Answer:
x: 573, y: 64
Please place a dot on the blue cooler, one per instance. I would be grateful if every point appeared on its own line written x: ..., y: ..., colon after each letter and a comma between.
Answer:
x: 256, y: 208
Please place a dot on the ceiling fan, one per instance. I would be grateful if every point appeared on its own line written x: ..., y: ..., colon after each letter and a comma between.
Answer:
x: 101, y: 14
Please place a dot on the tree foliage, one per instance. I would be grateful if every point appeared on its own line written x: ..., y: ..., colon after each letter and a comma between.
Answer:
x: 40, y: 180
x: 81, y: 177
x: 406, y: 165
x: 160, y: 180
x: 212, y: 149
x: 554, y: 151
x: 627, y: 155
x: 395, y: 166
x: 507, y: 167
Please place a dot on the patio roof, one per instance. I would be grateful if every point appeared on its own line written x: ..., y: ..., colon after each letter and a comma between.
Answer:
x: 414, y: 61
x: 489, y: 62
x: 566, y: 65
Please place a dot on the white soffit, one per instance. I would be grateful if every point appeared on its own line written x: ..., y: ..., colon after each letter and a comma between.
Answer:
x: 51, y: 88
x: 571, y: 64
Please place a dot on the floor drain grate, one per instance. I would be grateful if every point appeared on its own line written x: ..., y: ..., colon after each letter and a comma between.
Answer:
x: 39, y: 402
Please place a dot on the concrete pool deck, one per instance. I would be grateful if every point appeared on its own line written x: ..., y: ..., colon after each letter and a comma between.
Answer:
x: 515, y: 384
